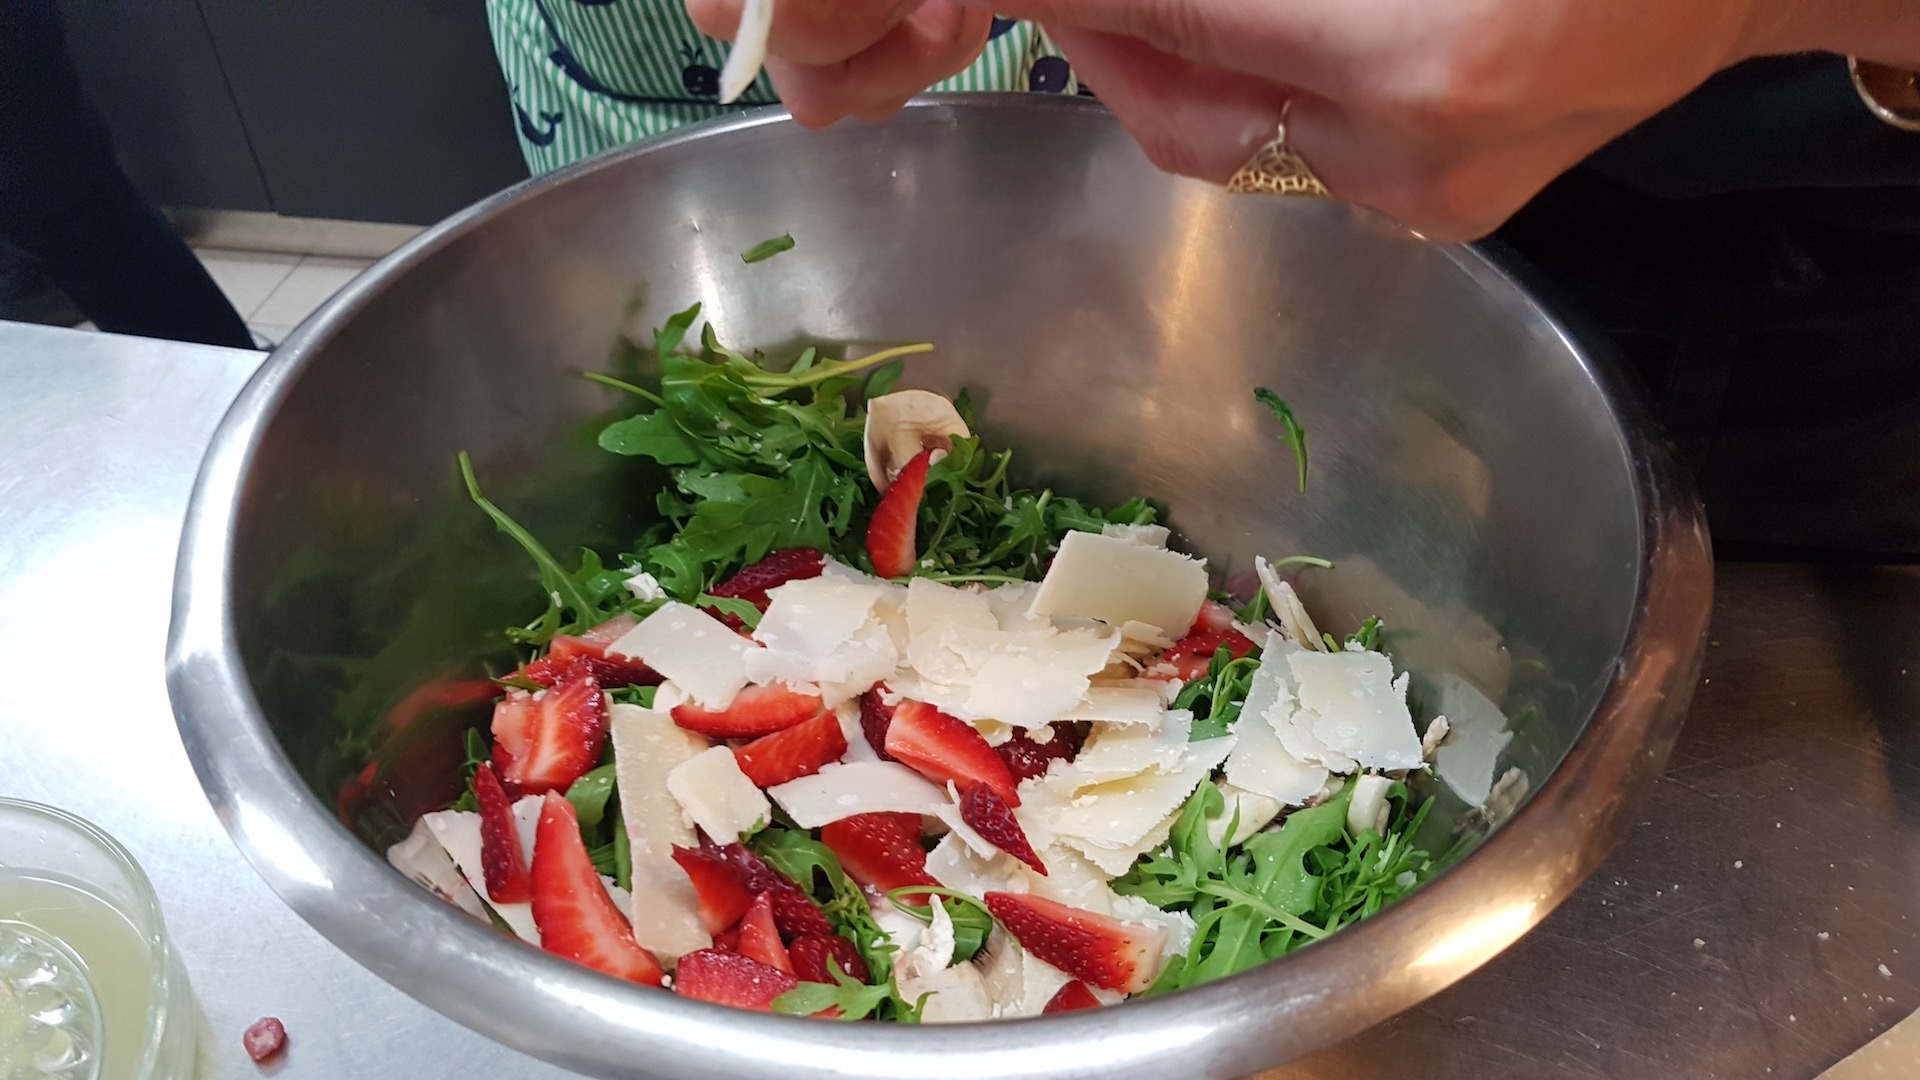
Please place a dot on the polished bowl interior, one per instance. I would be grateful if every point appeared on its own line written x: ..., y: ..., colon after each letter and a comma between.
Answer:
x: 1480, y: 481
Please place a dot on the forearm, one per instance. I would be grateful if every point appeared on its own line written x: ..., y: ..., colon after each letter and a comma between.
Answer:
x: 1882, y: 31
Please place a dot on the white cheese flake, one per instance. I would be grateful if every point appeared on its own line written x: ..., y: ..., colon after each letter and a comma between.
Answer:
x: 1144, y: 535
x: 1116, y: 815
x: 459, y: 834
x: 858, y: 748
x: 693, y: 649
x: 1120, y: 705
x: 1119, y: 581
x: 1359, y: 709
x: 1261, y: 762
x: 956, y: 865
x: 1178, y: 926
x: 647, y: 747
x: 1469, y: 757
x: 644, y: 586
x: 823, y: 631
x: 717, y: 795
x: 862, y: 787
x: 421, y: 858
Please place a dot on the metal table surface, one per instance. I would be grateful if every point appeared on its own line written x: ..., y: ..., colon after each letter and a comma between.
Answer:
x: 1761, y: 920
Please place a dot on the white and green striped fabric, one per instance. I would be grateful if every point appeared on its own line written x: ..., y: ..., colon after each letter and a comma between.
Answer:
x: 587, y: 75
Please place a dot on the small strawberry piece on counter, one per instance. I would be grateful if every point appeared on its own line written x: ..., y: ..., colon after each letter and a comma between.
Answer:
x: 942, y: 748
x: 501, y: 859
x: 730, y: 979
x: 990, y: 816
x: 890, y: 534
x: 881, y: 851
x: 720, y: 885
x: 576, y: 917
x: 753, y: 712
x: 1027, y: 759
x: 265, y: 1039
x: 1070, y: 997
x: 1190, y: 656
x: 875, y: 717
x: 1094, y: 948
x: 794, y: 912
x: 544, y: 742
x: 813, y: 952
x: 760, y: 938
x: 754, y: 582
x: 798, y: 751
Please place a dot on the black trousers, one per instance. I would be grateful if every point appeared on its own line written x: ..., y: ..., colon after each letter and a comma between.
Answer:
x: 1754, y: 252
x: 65, y: 204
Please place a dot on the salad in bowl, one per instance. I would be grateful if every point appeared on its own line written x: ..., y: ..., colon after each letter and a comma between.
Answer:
x: 861, y: 729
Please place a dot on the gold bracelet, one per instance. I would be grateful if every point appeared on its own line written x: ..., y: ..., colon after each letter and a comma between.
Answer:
x: 1891, y: 94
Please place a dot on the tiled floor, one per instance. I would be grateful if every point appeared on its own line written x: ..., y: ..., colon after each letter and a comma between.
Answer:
x: 274, y: 292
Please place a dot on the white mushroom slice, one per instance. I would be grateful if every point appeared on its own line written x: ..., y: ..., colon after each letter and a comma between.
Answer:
x: 903, y: 423
x: 1436, y: 733
x: 749, y: 50
x: 1287, y: 608
x: 1369, y: 809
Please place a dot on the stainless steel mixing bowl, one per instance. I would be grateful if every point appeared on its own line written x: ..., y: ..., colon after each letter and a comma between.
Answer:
x: 1483, y: 483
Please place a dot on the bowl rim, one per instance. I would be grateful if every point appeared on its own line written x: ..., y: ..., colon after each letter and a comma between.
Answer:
x: 436, y: 954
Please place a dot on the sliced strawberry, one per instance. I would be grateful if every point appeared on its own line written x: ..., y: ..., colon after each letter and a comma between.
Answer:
x: 501, y: 858
x: 759, y: 938
x: 890, y: 535
x: 798, y: 751
x: 942, y: 748
x: 875, y: 716
x: 794, y: 912
x: 754, y: 711
x: 727, y: 940
x: 1074, y: 995
x: 1190, y: 656
x: 812, y: 953
x: 1027, y: 759
x: 983, y: 808
x: 730, y: 979
x: 1089, y: 946
x: 544, y: 742
x: 1213, y: 616
x: 576, y: 917
x: 611, y: 671
x: 720, y: 885
x: 881, y: 851
x: 754, y: 582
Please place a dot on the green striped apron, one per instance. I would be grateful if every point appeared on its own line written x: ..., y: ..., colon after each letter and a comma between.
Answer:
x: 586, y: 75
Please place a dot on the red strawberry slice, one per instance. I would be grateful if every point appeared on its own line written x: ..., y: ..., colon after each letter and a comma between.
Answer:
x: 754, y: 711
x: 794, y: 912
x: 1086, y: 945
x: 1074, y: 995
x: 727, y: 940
x: 1027, y: 759
x: 798, y: 751
x: 812, y: 952
x: 942, y: 748
x: 501, y: 859
x: 989, y: 815
x: 730, y: 979
x: 754, y: 582
x: 875, y: 717
x: 576, y: 917
x: 1213, y: 616
x: 881, y: 851
x: 595, y: 641
x: 611, y: 670
x: 1190, y: 656
x: 544, y: 742
x: 759, y: 938
x: 721, y: 887
x: 890, y: 535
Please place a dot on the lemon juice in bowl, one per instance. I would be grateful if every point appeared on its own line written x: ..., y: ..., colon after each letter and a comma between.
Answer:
x: 90, y: 989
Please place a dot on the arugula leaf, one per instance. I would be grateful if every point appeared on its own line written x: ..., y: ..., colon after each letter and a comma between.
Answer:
x: 731, y: 605
x: 475, y: 745
x: 883, y: 378
x: 767, y: 249
x: 855, y: 1000
x: 1296, y: 435
x: 634, y: 695
x: 1215, y: 699
x: 622, y: 851
x: 971, y: 921
x: 806, y: 861
x: 589, y: 796
x: 565, y: 592
x: 1368, y: 636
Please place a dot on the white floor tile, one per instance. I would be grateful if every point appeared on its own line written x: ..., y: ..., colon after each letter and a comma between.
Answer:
x: 306, y: 288
x: 247, y: 277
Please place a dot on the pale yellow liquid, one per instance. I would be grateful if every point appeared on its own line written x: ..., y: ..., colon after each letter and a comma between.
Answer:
x: 118, y: 960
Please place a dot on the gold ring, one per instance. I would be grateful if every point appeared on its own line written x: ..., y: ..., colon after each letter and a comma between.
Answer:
x: 1277, y: 169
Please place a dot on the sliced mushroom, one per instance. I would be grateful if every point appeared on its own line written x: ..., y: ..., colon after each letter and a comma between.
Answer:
x: 903, y: 423
x: 1287, y: 608
x: 749, y: 49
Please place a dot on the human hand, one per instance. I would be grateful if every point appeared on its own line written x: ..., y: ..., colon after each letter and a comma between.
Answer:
x: 1446, y: 114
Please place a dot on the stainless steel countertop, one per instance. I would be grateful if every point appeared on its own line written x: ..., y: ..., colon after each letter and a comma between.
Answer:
x: 1790, y: 810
